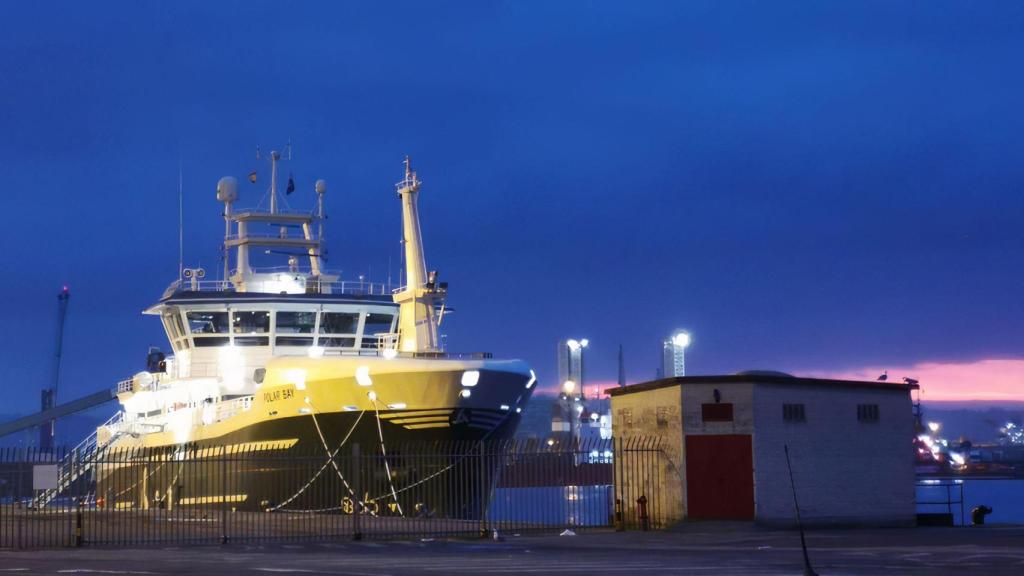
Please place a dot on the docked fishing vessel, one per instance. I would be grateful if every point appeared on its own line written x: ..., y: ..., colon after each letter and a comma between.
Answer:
x: 297, y: 359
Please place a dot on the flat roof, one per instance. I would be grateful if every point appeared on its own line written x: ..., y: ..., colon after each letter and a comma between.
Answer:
x: 755, y: 378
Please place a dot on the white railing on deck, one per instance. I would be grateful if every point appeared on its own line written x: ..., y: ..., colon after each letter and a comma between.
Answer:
x: 387, y: 341
x: 349, y: 287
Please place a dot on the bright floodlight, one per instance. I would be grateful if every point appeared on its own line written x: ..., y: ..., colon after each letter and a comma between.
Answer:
x: 573, y: 345
x: 363, y: 376
x: 584, y: 343
x: 933, y: 426
x: 569, y: 386
x: 681, y: 339
x: 470, y: 378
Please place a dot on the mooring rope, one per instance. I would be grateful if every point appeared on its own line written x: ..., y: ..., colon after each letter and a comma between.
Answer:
x: 384, y: 453
x: 330, y: 461
x: 453, y: 464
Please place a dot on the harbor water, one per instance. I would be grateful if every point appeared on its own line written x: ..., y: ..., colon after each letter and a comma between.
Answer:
x: 1004, y: 495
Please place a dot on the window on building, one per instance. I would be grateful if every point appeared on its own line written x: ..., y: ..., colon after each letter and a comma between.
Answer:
x: 246, y: 322
x: 794, y: 413
x: 662, y: 416
x: 867, y: 412
x: 716, y: 412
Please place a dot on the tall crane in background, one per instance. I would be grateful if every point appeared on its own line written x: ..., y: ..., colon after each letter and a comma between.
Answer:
x: 47, y: 430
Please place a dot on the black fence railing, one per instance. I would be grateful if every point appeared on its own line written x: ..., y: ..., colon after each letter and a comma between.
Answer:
x: 273, y: 491
x: 939, y: 501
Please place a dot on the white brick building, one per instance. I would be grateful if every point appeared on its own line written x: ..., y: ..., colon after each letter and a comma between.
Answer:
x: 850, y: 443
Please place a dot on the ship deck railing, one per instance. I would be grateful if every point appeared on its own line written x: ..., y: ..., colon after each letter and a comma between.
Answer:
x: 265, y: 211
x: 439, y: 354
x: 312, y: 286
x: 157, y: 381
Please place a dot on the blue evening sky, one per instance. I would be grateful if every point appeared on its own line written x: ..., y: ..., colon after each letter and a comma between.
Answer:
x: 812, y: 186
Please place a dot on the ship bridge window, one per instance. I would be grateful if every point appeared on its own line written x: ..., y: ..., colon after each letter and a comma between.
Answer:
x: 175, y: 330
x: 376, y: 324
x: 296, y: 322
x: 338, y: 342
x: 342, y: 328
x: 208, y: 322
x: 338, y: 323
x: 250, y: 322
x: 210, y: 341
x: 204, y: 325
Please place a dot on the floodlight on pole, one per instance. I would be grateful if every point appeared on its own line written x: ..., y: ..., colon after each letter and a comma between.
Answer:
x: 681, y: 339
x: 674, y: 353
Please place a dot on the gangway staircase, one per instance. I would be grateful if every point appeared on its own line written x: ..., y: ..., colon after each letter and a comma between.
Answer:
x: 81, y: 460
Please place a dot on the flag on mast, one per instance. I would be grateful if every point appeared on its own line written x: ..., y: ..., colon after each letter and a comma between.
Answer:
x: 252, y: 176
x: 291, y: 185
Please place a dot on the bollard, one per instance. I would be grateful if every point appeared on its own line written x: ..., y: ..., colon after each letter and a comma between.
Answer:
x: 78, y: 524
x: 978, y: 514
x: 620, y: 526
x: 641, y: 503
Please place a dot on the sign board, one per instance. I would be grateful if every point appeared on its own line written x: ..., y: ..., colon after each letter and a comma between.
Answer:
x: 44, y: 476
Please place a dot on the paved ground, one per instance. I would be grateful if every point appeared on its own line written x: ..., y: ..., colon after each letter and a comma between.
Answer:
x: 697, y: 549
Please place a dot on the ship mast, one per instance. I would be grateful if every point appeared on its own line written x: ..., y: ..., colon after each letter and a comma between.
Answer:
x: 245, y: 277
x: 417, y: 320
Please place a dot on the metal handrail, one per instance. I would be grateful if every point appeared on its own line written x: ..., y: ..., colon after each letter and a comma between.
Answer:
x: 284, y: 211
x: 439, y: 355
x: 77, y: 462
x: 268, y: 237
x: 351, y: 287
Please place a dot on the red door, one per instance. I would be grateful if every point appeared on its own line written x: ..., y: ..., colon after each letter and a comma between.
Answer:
x: 720, y: 477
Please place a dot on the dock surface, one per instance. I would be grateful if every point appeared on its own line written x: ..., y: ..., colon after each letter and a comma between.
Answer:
x: 694, y: 549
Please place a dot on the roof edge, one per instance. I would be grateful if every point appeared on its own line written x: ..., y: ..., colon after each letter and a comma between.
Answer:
x: 758, y: 379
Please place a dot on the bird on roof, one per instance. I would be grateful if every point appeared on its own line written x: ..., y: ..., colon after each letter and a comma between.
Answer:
x: 911, y: 381
x: 884, y: 376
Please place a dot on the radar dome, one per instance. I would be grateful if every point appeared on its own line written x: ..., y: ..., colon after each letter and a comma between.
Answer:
x: 321, y: 186
x: 227, y: 189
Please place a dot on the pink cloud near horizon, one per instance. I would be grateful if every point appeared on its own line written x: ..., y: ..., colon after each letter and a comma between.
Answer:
x: 985, y: 379
x: 990, y: 379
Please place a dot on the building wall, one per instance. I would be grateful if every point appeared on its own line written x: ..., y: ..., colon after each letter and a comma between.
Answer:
x: 845, y: 471
x: 739, y: 395
x: 696, y: 394
x: 645, y: 415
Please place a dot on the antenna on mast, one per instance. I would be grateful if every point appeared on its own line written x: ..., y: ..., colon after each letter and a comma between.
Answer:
x: 181, y: 221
